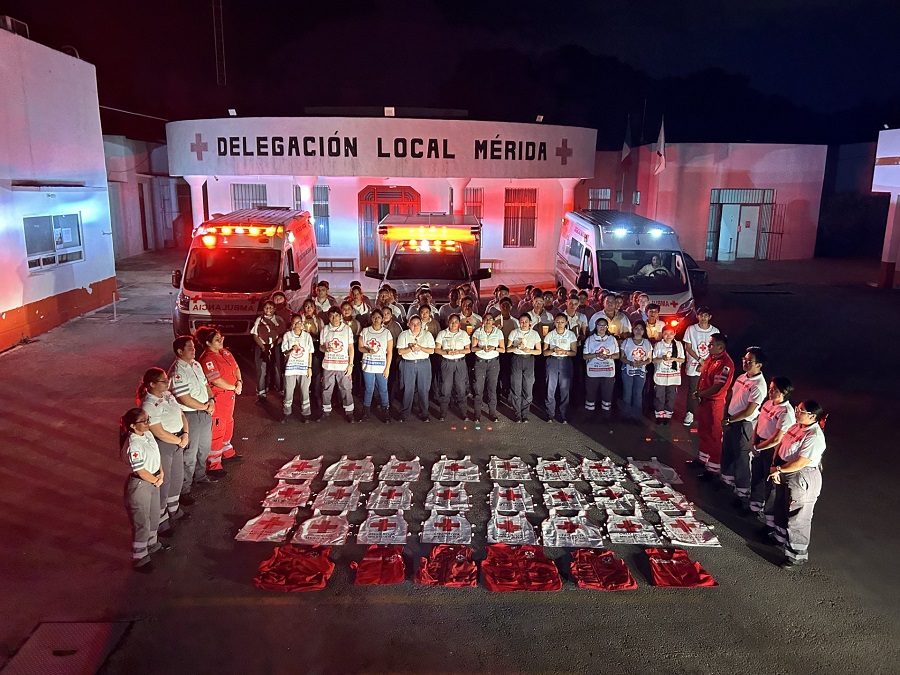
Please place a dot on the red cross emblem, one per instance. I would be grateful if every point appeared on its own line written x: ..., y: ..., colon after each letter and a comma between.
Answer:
x: 373, y: 344
x: 336, y: 344
x: 562, y: 496
x: 199, y: 146
x: 554, y: 468
x: 340, y: 493
x: 352, y: 466
x: 135, y: 454
x: 508, y: 495
x: 390, y: 494
x: 383, y: 524
x: 660, y: 495
x: 288, y: 492
x: 506, y: 466
x: 628, y: 526
x: 703, y: 348
x: 567, y: 527
x: 401, y: 467
x: 508, y: 526
x: 445, y: 494
x: 682, y: 525
x: 603, y: 352
x: 564, y: 152
x: 322, y: 527
x: 638, y: 354
x: 454, y: 467
x: 446, y: 525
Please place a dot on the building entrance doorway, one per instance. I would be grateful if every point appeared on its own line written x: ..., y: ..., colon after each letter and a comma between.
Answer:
x: 376, y: 202
x: 743, y: 224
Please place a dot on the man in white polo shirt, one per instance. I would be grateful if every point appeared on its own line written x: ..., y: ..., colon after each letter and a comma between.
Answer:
x: 189, y: 385
x: 747, y: 395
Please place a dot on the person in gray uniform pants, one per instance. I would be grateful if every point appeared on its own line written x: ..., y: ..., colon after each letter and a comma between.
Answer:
x: 452, y: 345
x: 189, y: 385
x: 414, y: 346
x: 142, y: 489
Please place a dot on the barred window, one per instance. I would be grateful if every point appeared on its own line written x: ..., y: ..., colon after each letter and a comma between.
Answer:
x: 598, y: 198
x: 53, y: 240
x: 519, y: 217
x: 620, y: 197
x: 636, y: 197
x: 248, y: 196
x: 320, y: 212
x: 474, y: 202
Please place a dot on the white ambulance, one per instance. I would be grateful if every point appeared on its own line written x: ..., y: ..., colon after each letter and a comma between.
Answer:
x: 624, y: 252
x: 236, y: 261
x: 438, y: 249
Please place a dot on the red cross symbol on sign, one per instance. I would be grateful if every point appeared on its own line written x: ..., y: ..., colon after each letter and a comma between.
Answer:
x: 554, y: 468
x: 567, y: 527
x: 628, y: 526
x: 401, y: 467
x: 454, y: 467
x: 506, y: 466
x: 352, y: 466
x: 446, y: 525
x: 660, y: 495
x: 199, y: 146
x: 563, y: 497
x: 390, y: 494
x: 135, y: 454
x: 508, y: 526
x: 682, y: 525
x: 340, y: 493
x: 383, y: 524
x: 288, y: 492
x: 322, y: 527
x: 336, y: 345
x: 564, y: 152
x: 638, y: 354
x: 596, y: 467
x: 445, y: 494
x: 508, y: 495
x: 302, y: 466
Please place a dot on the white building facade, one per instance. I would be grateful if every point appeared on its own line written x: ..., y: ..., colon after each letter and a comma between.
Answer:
x: 519, y: 179
x: 56, y: 251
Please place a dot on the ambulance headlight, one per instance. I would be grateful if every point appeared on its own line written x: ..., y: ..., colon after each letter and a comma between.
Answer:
x: 620, y: 231
x: 184, y: 302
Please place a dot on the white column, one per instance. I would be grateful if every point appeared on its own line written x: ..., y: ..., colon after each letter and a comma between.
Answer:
x: 459, y: 194
x: 890, y: 252
x: 306, y: 184
x: 196, y: 183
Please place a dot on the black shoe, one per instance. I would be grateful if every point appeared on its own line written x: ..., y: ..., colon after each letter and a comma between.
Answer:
x: 234, y: 458
x: 563, y: 421
x: 180, y: 517
x: 792, y: 565
x: 518, y: 420
x: 476, y: 419
x: 549, y: 420
x: 424, y: 418
x: 283, y: 419
x: 401, y: 419
x: 707, y: 476
x: 144, y: 565
x: 216, y: 473
x: 159, y: 547
x: 207, y: 480
x: 659, y: 421
x: 323, y: 417
x: 695, y: 463
x: 365, y: 416
x: 351, y: 418
x: 167, y: 533
x: 260, y: 400
x: 492, y: 418
x: 524, y: 420
x: 187, y: 500
x: 441, y: 418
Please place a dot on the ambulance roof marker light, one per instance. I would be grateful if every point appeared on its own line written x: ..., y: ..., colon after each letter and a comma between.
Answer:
x: 209, y: 240
x: 225, y: 230
x: 621, y: 231
x: 239, y: 230
x: 253, y: 231
x: 656, y: 233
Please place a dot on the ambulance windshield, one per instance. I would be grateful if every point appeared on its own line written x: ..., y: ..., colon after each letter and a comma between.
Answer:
x: 660, y: 272
x: 232, y: 270
x: 445, y: 266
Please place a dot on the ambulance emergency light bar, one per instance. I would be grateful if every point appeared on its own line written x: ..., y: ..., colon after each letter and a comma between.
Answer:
x: 434, y: 233
x: 249, y: 230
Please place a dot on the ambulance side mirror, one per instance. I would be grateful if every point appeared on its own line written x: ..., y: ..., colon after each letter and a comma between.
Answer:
x: 372, y: 273
x: 483, y: 273
x: 292, y: 281
x: 176, y: 278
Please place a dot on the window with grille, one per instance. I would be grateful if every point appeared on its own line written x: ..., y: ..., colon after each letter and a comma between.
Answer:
x: 636, y: 197
x: 248, y: 196
x: 53, y: 240
x: 598, y: 198
x: 474, y: 202
x: 519, y: 217
x: 620, y: 196
x: 320, y: 212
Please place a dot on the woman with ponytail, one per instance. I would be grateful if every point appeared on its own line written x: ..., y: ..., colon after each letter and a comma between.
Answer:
x: 142, y: 489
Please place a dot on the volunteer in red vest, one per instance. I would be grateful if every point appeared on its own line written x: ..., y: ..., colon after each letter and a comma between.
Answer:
x: 267, y: 331
x: 298, y: 347
x: 224, y: 376
x: 797, y: 475
x: 600, y: 353
x: 747, y: 395
x: 560, y: 348
x: 716, y: 375
x: 142, y: 489
x: 169, y: 427
x: 776, y: 416
x: 337, y: 365
x: 524, y: 344
x: 696, y: 343
x: 668, y: 355
x: 488, y: 345
x: 376, y: 343
x: 191, y: 389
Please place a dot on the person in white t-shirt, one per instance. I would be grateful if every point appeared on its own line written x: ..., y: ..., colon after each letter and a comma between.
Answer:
x: 776, y: 415
x: 560, y: 348
x: 452, y: 344
x: 541, y: 320
x: 696, y: 343
x: 336, y: 342
x: 376, y: 344
x: 654, y: 325
x: 468, y: 319
x: 617, y: 323
x: 452, y: 307
x: 637, y: 354
x: 601, y: 350
x: 524, y: 344
x: 797, y: 475
x: 668, y: 355
x: 323, y: 300
x: 298, y: 349
x: 423, y: 299
x: 414, y: 346
x: 747, y: 394
x: 488, y: 345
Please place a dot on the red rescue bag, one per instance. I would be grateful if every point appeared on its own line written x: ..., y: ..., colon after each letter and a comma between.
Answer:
x: 601, y: 570
x: 295, y: 568
x: 448, y: 565
x: 673, y: 568
x: 519, y: 568
x: 380, y: 566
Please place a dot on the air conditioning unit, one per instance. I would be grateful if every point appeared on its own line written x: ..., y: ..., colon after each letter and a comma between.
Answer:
x: 14, y: 26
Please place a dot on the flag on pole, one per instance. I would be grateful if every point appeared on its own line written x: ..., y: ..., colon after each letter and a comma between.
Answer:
x: 661, y: 149
x: 626, y: 144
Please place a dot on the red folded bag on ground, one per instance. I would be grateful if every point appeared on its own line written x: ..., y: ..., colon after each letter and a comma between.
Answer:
x: 519, y: 568
x: 380, y: 566
x: 448, y: 565
x: 295, y: 568
x: 673, y: 568
x: 601, y: 570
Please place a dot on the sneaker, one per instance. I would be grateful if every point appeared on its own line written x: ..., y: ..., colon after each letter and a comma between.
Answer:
x: 563, y: 421
x: 688, y: 419
x: 792, y: 565
x: 492, y: 418
x: 518, y: 420
x: 261, y: 399
x: 216, y: 473
x: 206, y: 480
x: 476, y: 419
x: 424, y: 418
x: 159, y: 546
x: 441, y: 418
x: 401, y: 419
x: 524, y: 420
x: 549, y: 420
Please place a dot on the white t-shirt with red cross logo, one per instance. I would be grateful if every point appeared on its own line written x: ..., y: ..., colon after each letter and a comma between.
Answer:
x: 698, y: 338
x: 337, y: 341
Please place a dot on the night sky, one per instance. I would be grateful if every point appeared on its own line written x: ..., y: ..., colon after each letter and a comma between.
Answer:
x: 820, y: 71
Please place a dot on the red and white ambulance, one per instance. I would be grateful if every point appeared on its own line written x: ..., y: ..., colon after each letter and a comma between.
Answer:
x: 236, y: 261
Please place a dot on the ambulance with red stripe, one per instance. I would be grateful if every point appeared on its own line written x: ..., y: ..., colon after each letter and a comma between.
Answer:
x: 623, y: 253
x: 437, y: 249
x: 236, y: 261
